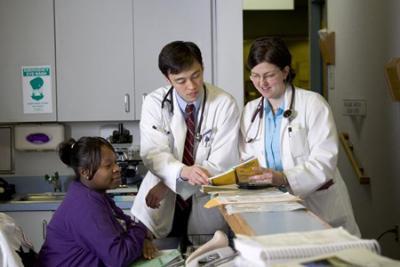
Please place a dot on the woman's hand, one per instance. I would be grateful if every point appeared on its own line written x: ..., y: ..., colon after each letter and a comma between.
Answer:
x: 149, y: 249
x: 268, y: 176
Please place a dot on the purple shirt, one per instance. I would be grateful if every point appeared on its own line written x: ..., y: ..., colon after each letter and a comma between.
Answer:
x: 86, y: 230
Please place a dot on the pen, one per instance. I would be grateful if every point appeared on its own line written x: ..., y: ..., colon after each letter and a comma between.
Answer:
x: 160, y: 130
x: 206, y: 135
x: 207, y: 132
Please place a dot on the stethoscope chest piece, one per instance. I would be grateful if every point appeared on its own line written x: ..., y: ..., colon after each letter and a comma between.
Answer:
x: 288, y: 113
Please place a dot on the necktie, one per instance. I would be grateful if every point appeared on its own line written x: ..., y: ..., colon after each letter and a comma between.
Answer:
x: 188, y: 157
x: 183, y: 208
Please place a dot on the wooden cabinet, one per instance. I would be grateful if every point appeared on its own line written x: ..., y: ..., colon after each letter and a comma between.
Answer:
x: 158, y: 22
x: 94, y: 40
x: 27, y: 39
x: 34, y: 224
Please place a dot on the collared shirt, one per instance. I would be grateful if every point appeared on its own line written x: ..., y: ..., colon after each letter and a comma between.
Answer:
x: 272, y: 136
x: 182, y: 104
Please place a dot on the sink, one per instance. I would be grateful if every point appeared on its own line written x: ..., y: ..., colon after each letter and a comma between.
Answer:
x: 48, y: 196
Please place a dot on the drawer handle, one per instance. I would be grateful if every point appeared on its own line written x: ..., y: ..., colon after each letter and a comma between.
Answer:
x: 127, y: 103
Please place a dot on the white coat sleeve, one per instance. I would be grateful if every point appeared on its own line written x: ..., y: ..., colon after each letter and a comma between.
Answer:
x: 155, y: 147
x: 317, y: 164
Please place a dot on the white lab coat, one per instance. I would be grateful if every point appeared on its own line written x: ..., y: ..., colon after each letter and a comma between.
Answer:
x: 162, y: 137
x: 309, y: 155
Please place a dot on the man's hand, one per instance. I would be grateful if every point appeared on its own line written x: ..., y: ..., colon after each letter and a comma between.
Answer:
x: 156, y: 194
x: 195, y: 175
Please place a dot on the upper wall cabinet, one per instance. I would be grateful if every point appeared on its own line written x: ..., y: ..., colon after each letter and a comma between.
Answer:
x: 158, y: 22
x: 27, y: 78
x: 94, y: 40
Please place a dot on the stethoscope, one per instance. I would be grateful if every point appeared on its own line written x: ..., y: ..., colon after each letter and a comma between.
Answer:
x: 287, y: 114
x: 168, y: 98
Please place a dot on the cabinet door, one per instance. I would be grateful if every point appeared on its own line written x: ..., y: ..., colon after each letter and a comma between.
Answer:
x: 158, y: 22
x: 34, y: 224
x: 27, y: 40
x: 94, y: 60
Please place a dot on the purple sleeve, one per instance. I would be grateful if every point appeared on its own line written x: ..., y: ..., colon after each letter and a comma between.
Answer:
x: 99, y: 231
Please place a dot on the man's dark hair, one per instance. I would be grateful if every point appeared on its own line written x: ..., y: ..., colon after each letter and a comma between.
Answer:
x: 178, y: 56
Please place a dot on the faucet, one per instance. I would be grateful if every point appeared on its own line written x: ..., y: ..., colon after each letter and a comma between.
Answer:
x: 54, y: 180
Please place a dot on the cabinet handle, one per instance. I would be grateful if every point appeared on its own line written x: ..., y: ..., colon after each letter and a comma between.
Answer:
x: 127, y: 103
x: 44, y: 226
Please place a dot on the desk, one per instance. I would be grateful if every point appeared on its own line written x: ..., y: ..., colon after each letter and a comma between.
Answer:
x: 263, y: 223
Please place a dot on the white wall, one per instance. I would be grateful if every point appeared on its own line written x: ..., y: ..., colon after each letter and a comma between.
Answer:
x: 228, y: 47
x: 367, y: 36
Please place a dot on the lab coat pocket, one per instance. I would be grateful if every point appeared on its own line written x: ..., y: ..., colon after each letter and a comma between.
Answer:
x: 328, y: 206
x: 298, y: 141
x: 203, y: 152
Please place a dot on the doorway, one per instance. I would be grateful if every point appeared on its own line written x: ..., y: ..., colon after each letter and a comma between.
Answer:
x: 293, y: 26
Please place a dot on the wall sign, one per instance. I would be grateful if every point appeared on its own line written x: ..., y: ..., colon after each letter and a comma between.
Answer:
x: 36, y: 86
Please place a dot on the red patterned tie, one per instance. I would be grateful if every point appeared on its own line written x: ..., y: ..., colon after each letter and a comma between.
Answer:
x: 188, y: 157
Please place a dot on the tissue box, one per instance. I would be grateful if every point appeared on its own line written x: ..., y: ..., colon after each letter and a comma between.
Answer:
x: 38, y: 137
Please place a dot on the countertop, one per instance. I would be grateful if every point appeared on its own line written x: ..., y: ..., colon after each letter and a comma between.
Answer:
x: 7, y: 206
x: 123, y: 198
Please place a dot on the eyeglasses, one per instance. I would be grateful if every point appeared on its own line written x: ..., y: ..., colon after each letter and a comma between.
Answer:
x: 269, y: 76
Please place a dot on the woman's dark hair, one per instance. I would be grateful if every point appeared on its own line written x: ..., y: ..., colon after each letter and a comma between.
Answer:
x: 83, y: 154
x: 272, y: 50
x: 178, y: 56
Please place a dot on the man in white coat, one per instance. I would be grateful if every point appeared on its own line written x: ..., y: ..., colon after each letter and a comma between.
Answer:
x: 293, y: 134
x: 169, y: 202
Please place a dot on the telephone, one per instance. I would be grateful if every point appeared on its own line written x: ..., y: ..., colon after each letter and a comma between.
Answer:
x: 215, y: 252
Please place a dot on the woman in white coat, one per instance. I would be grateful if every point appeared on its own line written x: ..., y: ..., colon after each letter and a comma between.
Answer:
x: 293, y: 134
x: 163, y: 133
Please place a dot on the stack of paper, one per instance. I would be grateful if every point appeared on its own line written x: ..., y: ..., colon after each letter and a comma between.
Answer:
x: 356, y: 257
x: 263, y: 207
x: 267, y: 250
x: 270, y: 195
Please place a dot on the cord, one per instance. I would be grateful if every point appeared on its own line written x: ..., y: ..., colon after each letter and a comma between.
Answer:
x: 394, y: 230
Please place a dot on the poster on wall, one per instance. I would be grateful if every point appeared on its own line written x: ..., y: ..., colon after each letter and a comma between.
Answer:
x: 36, y: 86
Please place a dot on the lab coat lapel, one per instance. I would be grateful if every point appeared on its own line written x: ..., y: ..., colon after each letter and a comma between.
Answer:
x: 178, y: 130
x: 285, y: 121
x: 286, y: 157
x: 261, y: 135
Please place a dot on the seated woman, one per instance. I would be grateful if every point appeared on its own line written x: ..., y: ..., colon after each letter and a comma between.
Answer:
x: 88, y: 229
